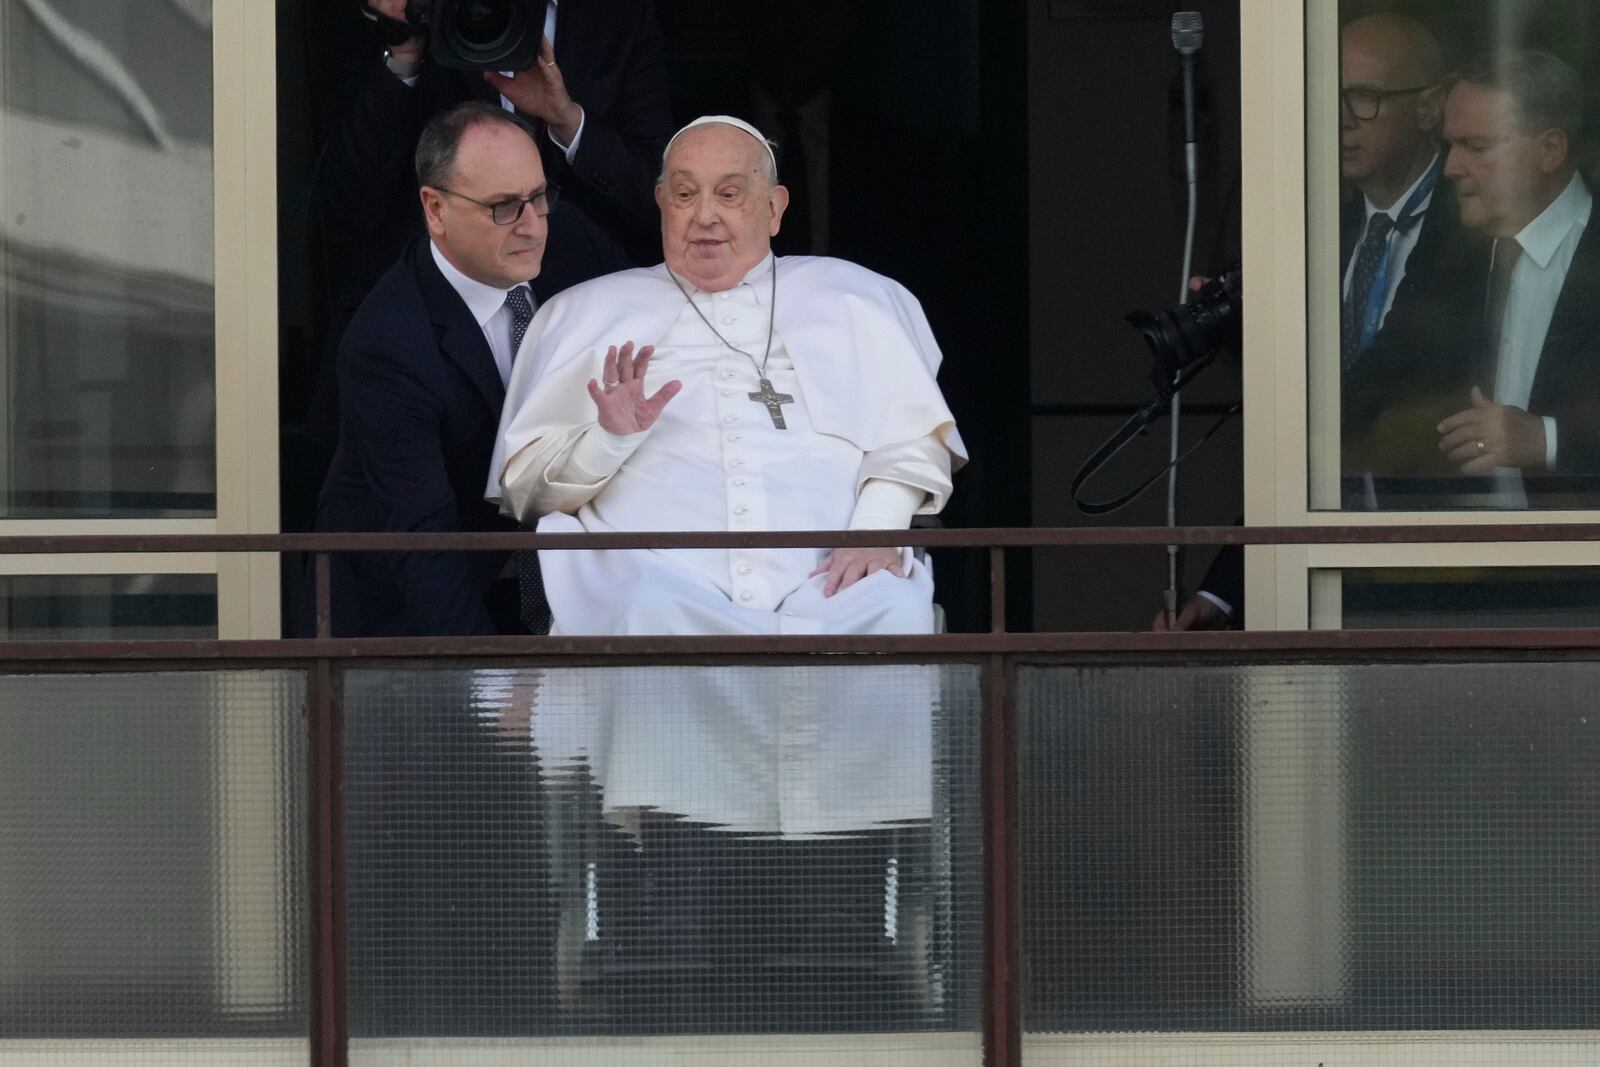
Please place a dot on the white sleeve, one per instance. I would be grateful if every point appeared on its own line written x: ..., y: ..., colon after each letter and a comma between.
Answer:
x: 564, y: 471
x: 922, y: 464
x: 885, y: 505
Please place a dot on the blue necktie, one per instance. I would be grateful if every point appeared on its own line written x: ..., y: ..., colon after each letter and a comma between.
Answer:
x: 1368, y: 259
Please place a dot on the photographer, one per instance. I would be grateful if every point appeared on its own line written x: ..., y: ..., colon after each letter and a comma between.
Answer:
x: 599, y: 108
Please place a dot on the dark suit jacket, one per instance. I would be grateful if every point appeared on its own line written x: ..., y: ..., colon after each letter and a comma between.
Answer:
x: 421, y: 407
x: 610, y: 52
x: 1394, y: 394
x: 1439, y: 347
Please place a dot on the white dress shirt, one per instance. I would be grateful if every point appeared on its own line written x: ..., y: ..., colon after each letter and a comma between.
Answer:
x: 1400, y: 245
x: 488, y: 307
x: 1548, y: 244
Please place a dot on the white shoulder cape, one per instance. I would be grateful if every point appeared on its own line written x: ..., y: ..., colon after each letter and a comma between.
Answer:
x: 861, y: 346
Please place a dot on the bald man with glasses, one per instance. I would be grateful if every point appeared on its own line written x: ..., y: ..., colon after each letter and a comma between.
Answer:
x: 1402, y: 257
x: 1409, y: 268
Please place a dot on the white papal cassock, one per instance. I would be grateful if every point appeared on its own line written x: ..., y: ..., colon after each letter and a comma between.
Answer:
x: 752, y: 749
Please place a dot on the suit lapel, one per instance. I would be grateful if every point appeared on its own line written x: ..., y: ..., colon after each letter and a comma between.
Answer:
x: 1573, y: 323
x: 460, y: 339
x: 1351, y: 218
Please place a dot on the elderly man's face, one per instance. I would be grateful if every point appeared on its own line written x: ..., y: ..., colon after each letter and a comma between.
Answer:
x: 1504, y: 175
x: 494, y: 162
x: 1381, y: 148
x: 718, y: 213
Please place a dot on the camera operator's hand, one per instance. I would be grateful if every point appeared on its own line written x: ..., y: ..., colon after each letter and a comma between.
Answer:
x: 1197, y: 613
x: 409, y: 51
x: 542, y: 91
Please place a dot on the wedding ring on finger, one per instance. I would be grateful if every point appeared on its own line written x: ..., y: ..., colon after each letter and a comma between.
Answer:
x: 1482, y: 445
x: 610, y: 384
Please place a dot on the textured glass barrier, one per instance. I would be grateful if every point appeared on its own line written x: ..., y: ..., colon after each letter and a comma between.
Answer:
x: 153, y: 879
x: 1367, y: 850
x: 583, y: 855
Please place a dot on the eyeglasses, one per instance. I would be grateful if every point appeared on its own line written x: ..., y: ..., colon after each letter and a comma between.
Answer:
x: 506, y: 212
x: 1365, y: 104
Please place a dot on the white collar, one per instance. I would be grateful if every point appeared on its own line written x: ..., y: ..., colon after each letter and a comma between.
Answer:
x: 482, y: 300
x: 755, y: 274
x: 1543, y: 236
x: 1400, y: 201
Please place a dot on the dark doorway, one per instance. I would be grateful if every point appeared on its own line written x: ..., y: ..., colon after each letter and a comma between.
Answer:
x: 911, y: 119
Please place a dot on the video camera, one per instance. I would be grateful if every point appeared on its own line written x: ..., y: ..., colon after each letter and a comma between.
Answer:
x: 1185, y: 338
x: 469, y: 34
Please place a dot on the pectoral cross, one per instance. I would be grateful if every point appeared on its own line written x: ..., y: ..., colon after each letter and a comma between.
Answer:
x: 773, y: 400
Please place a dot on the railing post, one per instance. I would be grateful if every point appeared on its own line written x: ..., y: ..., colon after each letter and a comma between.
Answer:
x: 324, y: 594
x: 329, y: 996
x: 997, y: 589
x: 1002, y: 997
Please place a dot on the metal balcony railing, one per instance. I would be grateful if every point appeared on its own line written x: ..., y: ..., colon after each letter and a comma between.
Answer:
x: 998, y: 654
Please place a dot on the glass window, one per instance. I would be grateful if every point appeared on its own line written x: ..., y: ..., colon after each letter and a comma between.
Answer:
x: 107, y: 323
x: 1464, y: 269
x: 1402, y: 598
x: 108, y: 607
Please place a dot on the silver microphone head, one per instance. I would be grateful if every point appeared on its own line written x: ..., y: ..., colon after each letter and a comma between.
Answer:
x: 1188, y: 32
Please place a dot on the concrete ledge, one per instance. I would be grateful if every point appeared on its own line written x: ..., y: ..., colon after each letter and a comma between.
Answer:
x: 1454, y: 1048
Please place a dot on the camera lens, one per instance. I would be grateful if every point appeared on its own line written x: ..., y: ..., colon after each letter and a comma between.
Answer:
x: 485, y: 34
x: 483, y: 23
x: 1190, y: 333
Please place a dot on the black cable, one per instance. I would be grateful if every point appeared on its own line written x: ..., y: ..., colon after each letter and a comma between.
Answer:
x: 1119, y: 440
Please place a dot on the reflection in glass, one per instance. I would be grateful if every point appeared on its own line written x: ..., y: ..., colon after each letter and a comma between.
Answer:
x: 1469, y: 340
x: 153, y: 830
x: 1310, y: 847
x: 1397, y: 598
x: 107, y: 326
x: 495, y: 836
x: 106, y: 607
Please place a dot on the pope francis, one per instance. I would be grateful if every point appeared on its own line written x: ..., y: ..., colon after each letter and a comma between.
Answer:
x: 726, y: 389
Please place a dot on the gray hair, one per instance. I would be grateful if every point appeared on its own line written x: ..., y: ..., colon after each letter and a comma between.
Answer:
x: 436, y: 148
x: 1545, y: 91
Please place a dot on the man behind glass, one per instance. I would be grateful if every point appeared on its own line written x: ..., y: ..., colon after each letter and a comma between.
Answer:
x: 1408, y: 266
x: 1528, y: 412
x: 1399, y: 244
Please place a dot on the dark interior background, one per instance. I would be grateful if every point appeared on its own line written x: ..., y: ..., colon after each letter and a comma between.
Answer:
x: 1013, y: 164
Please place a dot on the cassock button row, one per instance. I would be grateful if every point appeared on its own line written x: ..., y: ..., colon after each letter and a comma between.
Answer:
x: 728, y: 320
x: 736, y: 437
x: 744, y: 568
x: 727, y: 375
x: 740, y: 510
x: 735, y: 462
x: 739, y: 482
x: 727, y: 392
x: 747, y: 595
x: 730, y: 418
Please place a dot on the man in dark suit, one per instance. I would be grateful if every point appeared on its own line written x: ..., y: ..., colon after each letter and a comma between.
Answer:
x: 422, y: 372
x: 1530, y: 414
x: 605, y: 90
x: 1404, y: 258
x: 1492, y: 384
x: 601, y: 85
x: 450, y: 930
